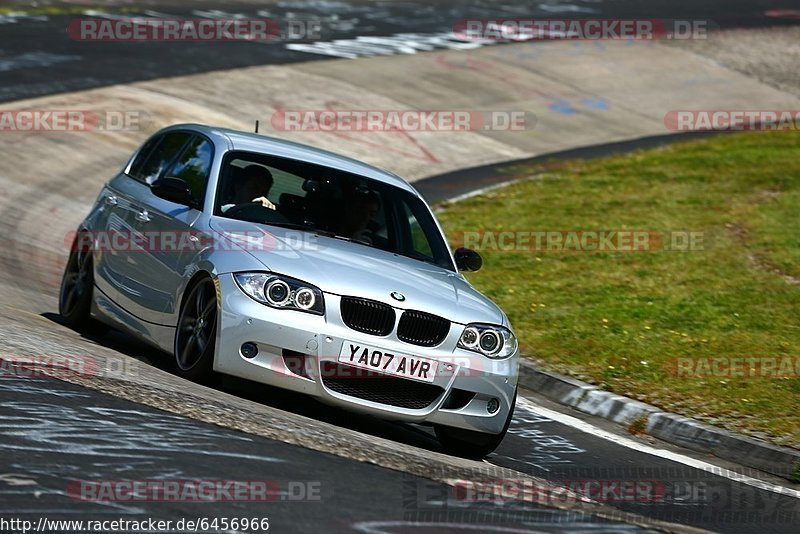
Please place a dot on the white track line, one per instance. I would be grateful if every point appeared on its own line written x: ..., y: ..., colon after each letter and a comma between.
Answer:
x: 483, y: 190
x: 583, y: 426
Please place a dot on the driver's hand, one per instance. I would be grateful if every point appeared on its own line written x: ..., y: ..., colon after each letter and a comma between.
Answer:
x: 264, y: 202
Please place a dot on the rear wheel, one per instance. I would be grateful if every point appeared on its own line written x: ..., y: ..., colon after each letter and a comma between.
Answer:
x: 75, y: 296
x: 195, y: 337
x: 472, y: 444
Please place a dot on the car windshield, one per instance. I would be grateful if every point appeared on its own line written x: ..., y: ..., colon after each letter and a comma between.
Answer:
x: 301, y: 195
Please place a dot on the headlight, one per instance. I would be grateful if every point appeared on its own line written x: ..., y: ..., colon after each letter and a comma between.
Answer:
x: 278, y: 292
x: 492, y: 341
x: 283, y: 292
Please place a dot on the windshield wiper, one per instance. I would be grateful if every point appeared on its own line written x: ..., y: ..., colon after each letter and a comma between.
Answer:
x: 326, y: 233
x: 351, y: 240
x: 303, y: 227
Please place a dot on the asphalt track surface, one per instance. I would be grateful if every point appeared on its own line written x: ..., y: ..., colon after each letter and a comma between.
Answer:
x: 38, y: 57
x: 57, y: 435
x: 77, y: 441
x: 54, y: 433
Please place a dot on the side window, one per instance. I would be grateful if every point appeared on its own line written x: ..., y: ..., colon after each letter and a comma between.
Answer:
x: 285, y: 183
x: 193, y: 166
x: 141, y: 157
x: 161, y: 155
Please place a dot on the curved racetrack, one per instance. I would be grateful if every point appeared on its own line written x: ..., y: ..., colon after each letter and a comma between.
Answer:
x: 131, y: 418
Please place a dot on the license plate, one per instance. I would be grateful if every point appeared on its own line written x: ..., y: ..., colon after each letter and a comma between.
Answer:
x: 388, y: 362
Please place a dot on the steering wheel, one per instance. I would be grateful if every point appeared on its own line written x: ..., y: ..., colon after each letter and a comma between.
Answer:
x: 255, y: 212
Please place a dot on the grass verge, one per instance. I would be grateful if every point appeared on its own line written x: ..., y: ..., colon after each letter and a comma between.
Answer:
x: 624, y: 320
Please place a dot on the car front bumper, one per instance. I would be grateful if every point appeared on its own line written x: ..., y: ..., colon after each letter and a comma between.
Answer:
x: 300, y: 351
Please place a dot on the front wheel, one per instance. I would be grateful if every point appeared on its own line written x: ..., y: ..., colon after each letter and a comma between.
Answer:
x: 195, y: 337
x: 472, y: 444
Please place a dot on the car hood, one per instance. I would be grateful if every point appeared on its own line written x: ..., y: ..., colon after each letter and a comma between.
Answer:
x: 345, y: 268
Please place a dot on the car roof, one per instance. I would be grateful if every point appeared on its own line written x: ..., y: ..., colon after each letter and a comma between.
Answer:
x: 253, y: 142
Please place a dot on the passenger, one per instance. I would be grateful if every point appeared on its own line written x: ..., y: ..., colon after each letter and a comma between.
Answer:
x: 362, y: 208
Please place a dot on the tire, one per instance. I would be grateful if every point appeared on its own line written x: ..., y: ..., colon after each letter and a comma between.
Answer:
x: 472, y: 444
x: 77, y: 285
x: 196, y: 334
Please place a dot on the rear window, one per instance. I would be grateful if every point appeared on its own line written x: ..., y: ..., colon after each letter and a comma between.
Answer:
x: 156, y: 155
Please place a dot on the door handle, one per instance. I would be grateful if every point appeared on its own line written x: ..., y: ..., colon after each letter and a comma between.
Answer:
x: 111, y: 200
x: 143, y: 216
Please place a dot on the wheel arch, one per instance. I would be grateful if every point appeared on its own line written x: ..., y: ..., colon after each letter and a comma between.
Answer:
x: 187, y: 287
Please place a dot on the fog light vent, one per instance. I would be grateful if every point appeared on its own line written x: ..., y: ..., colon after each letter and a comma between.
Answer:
x: 249, y: 350
x: 493, y: 405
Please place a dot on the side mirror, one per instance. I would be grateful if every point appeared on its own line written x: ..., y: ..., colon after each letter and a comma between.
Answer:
x: 467, y: 259
x: 174, y: 190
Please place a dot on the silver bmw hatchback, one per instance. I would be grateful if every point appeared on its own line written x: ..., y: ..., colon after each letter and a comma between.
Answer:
x: 284, y: 264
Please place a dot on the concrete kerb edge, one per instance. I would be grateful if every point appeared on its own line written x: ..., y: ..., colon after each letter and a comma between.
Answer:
x: 669, y: 427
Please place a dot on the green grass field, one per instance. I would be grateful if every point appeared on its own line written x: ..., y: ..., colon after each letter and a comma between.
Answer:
x: 623, y: 319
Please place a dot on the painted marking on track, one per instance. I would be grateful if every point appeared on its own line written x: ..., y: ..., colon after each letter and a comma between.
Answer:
x: 21, y: 16
x: 96, y: 432
x: 588, y: 428
x: 34, y: 60
x: 546, y: 449
x: 15, y: 479
x: 388, y: 45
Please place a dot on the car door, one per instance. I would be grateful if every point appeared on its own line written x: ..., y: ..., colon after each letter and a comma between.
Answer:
x: 114, y: 230
x: 135, y: 261
x: 164, y: 265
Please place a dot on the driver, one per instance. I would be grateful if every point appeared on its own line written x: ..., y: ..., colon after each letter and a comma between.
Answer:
x: 252, y: 185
